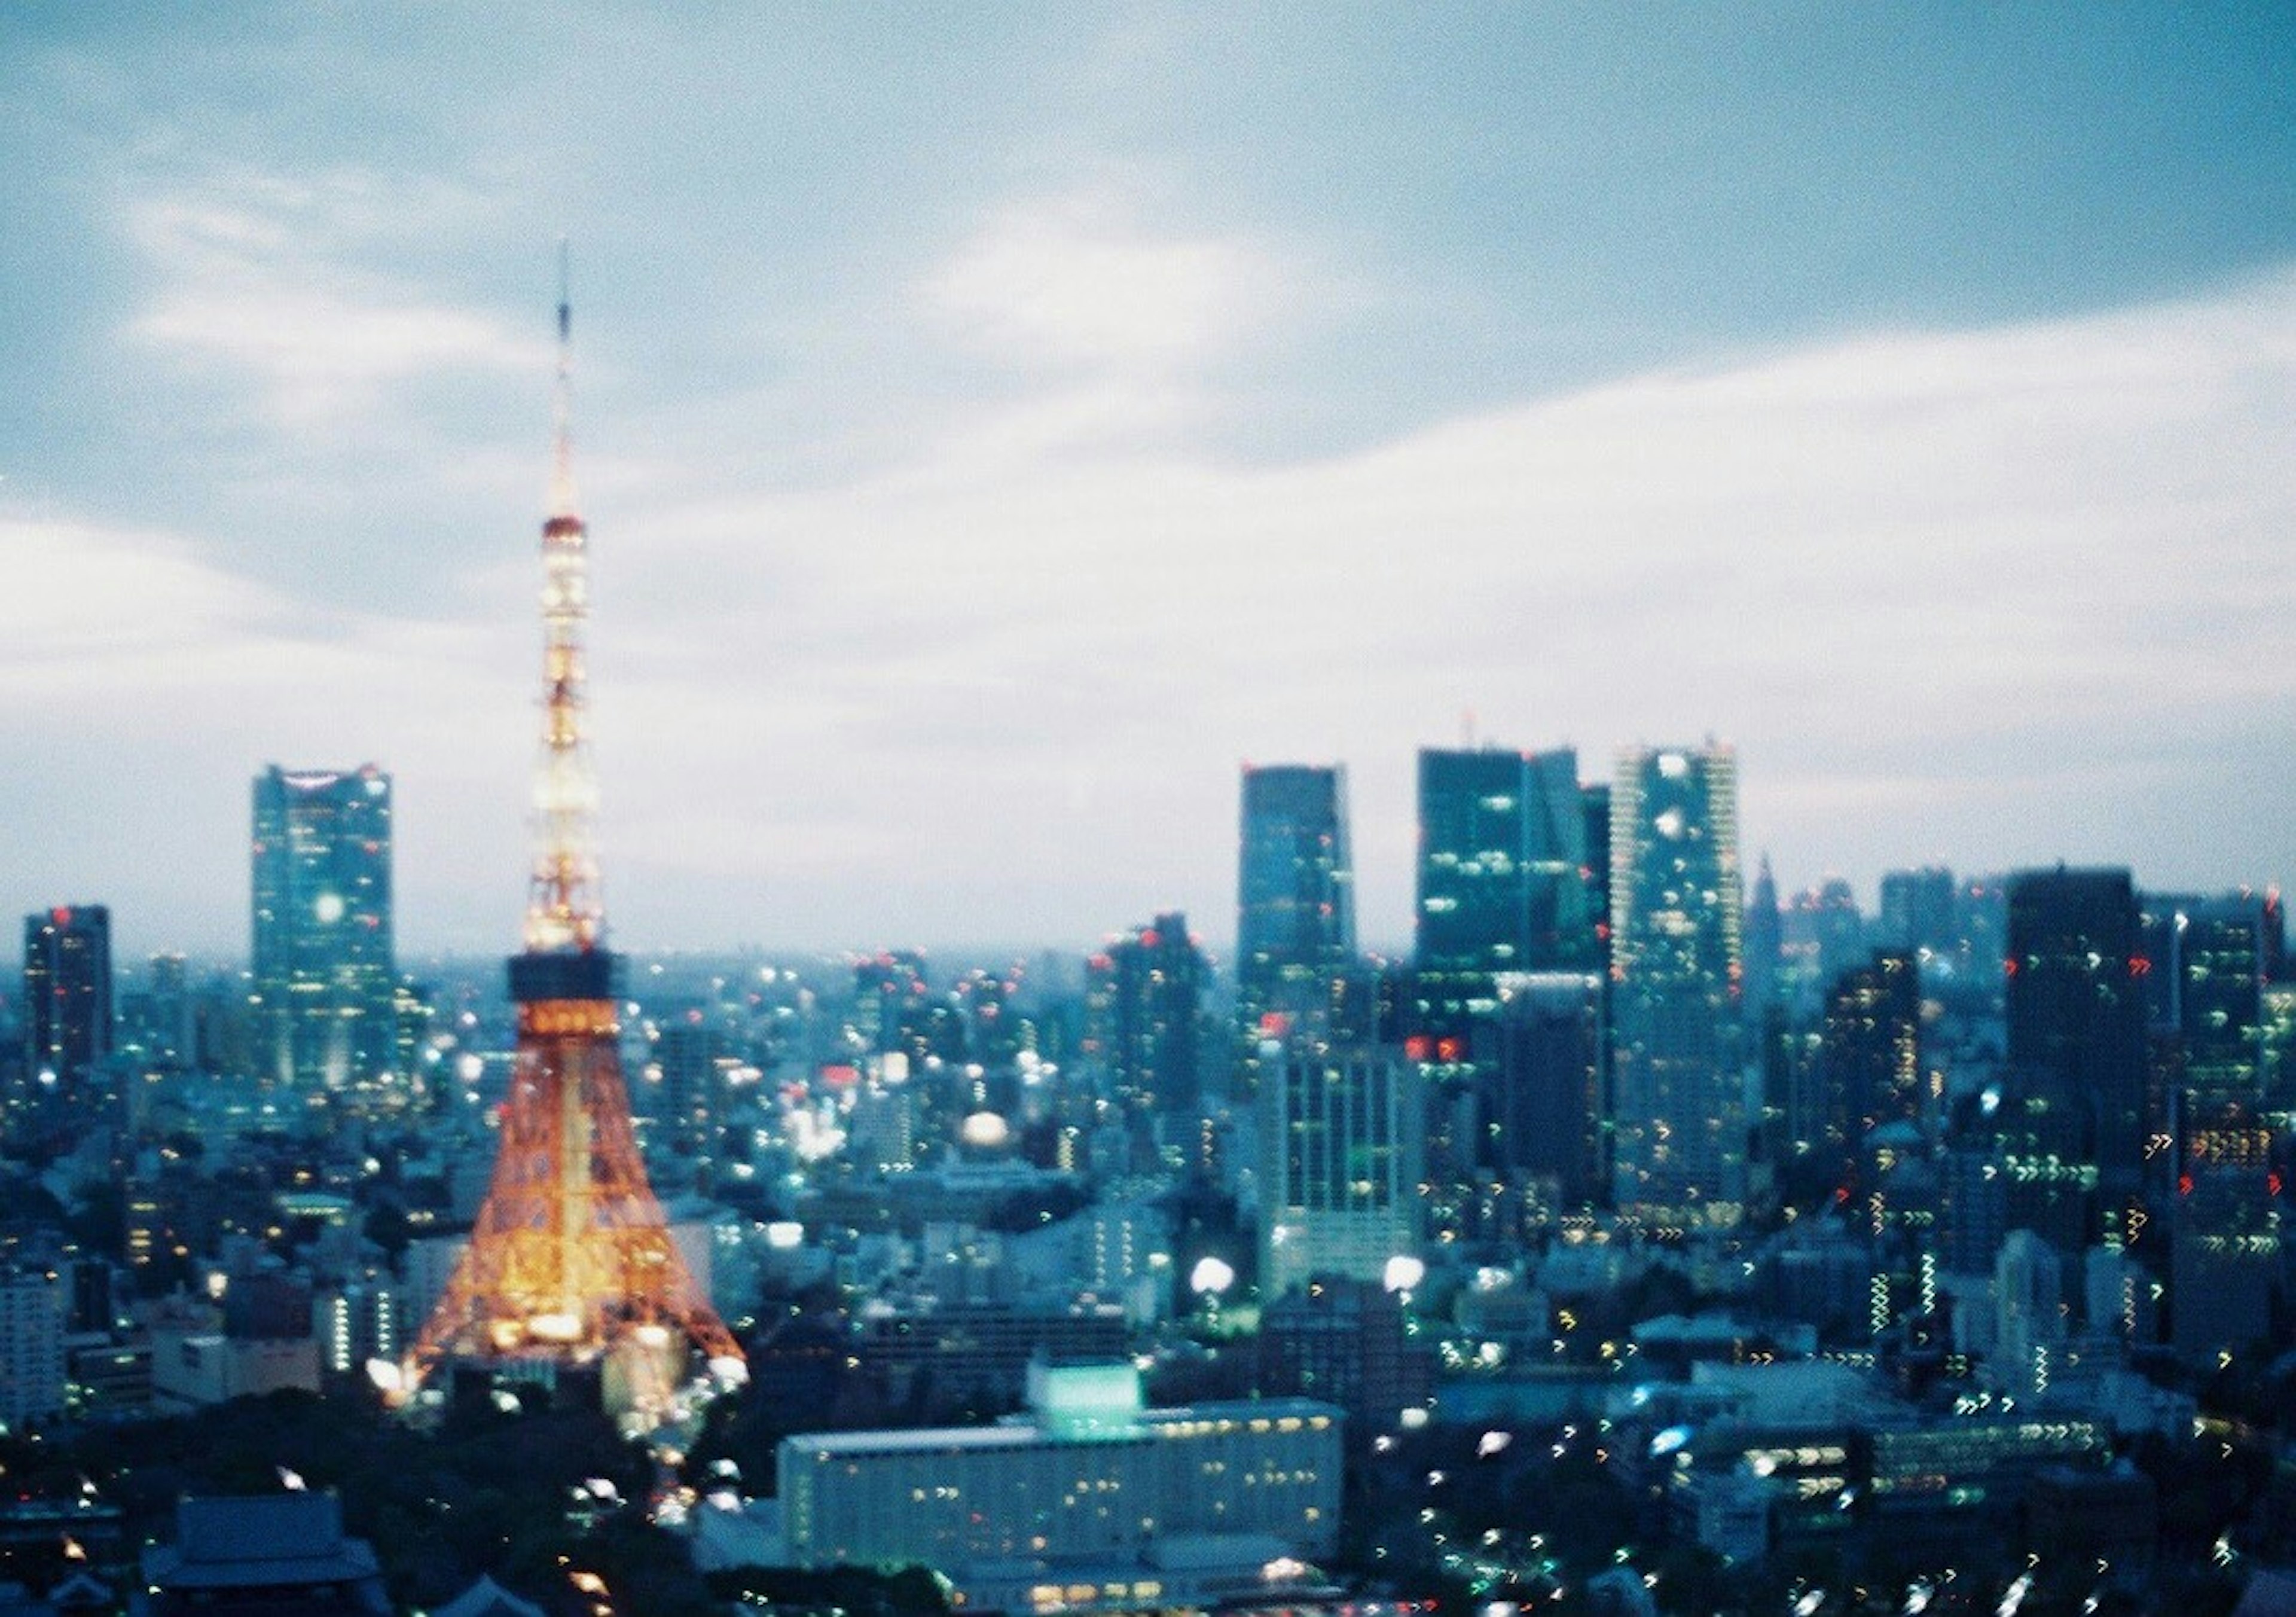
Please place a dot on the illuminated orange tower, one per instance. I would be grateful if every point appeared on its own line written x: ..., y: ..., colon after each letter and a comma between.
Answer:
x: 570, y: 1262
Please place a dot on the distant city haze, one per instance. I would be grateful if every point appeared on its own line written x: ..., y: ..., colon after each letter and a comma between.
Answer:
x: 999, y: 429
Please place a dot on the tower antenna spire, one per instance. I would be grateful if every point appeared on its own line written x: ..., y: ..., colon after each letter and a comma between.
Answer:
x: 563, y: 910
x: 561, y: 405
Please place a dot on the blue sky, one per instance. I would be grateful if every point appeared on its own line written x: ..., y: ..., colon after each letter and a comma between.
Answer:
x: 1000, y: 423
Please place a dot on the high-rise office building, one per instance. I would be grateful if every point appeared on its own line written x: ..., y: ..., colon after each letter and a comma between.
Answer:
x: 1295, y: 893
x: 1504, y: 887
x: 682, y: 1089
x: 2076, y: 1012
x: 68, y: 1010
x: 1539, y: 1113
x: 67, y: 1019
x: 2203, y: 960
x: 1679, y: 1128
x: 1503, y: 881
x: 1594, y: 839
x: 1871, y: 1053
x: 324, y: 967
x: 1340, y: 1158
x: 1155, y: 994
x: 1917, y: 910
x: 2203, y: 965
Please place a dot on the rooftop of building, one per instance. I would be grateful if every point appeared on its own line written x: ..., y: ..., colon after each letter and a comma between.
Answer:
x: 1036, y: 1429
x: 267, y: 1540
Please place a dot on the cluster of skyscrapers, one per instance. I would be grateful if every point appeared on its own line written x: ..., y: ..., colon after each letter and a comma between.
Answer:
x: 1597, y: 1026
x: 326, y: 1012
x: 1568, y: 1031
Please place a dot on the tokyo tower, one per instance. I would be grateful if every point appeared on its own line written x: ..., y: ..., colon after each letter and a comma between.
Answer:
x: 570, y: 1262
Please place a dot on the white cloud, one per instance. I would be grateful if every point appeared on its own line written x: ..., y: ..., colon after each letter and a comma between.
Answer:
x: 1878, y: 564
x: 1997, y: 596
x: 1072, y: 282
x: 265, y: 277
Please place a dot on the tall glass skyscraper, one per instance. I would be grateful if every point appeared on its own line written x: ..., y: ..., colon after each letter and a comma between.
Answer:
x: 1504, y: 884
x: 68, y: 1021
x: 2075, y: 1010
x: 2205, y: 960
x: 1295, y: 893
x: 325, y: 965
x: 1678, y: 1126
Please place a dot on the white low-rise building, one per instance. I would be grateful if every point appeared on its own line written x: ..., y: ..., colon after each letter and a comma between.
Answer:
x: 1080, y: 1502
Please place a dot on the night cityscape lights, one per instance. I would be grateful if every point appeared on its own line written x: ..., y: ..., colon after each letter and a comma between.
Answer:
x: 1416, y: 812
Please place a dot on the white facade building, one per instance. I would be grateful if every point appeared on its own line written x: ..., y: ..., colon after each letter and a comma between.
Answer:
x: 1080, y: 1502
x: 31, y: 1350
x: 1342, y: 1151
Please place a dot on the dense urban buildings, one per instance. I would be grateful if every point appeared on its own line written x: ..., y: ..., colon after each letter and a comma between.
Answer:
x: 1878, y: 1231
x: 323, y: 957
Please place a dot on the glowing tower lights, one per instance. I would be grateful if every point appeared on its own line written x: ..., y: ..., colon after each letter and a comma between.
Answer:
x: 570, y: 1262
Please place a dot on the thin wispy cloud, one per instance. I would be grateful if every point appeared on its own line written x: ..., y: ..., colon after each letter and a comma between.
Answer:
x: 1074, y: 282
x: 264, y: 278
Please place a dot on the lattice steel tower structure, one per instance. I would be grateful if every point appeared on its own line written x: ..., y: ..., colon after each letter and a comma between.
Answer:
x: 570, y: 1262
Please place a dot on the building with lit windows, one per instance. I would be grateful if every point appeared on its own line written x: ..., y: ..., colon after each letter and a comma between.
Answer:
x: 2076, y: 1010
x: 1342, y: 1150
x: 1295, y: 889
x: 68, y: 1022
x: 1087, y: 1502
x: 1869, y: 1060
x: 1678, y: 1124
x: 325, y: 968
x: 1503, y: 879
x: 1155, y: 993
x: 31, y: 1349
x: 1539, y: 1106
x: 2205, y: 960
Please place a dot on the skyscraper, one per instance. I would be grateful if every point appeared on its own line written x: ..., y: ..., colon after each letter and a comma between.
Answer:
x: 1503, y: 879
x: 1504, y: 888
x: 2204, y: 964
x: 1295, y: 892
x: 68, y: 1018
x: 2076, y: 1010
x: 1917, y: 910
x: 325, y: 968
x: 1296, y: 967
x: 1155, y: 994
x: 1765, y: 938
x: 1539, y: 1112
x: 1678, y: 1122
x: 1871, y: 1056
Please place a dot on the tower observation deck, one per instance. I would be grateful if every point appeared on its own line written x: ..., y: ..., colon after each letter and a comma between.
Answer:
x: 570, y: 1262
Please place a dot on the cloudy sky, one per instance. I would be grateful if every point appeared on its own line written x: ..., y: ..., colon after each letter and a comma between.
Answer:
x: 1000, y: 423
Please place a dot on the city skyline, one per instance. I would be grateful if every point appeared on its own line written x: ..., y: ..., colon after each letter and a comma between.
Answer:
x: 998, y: 432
